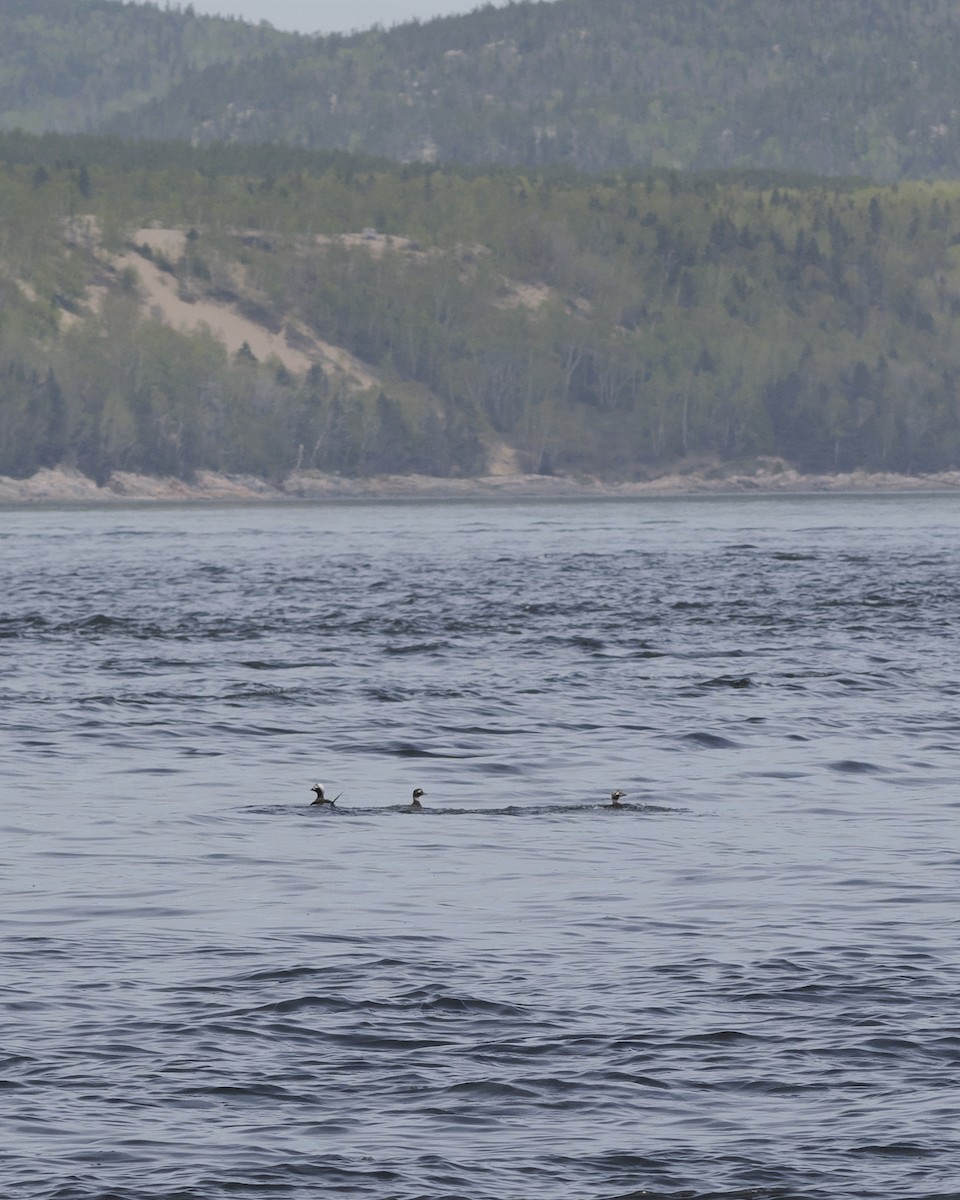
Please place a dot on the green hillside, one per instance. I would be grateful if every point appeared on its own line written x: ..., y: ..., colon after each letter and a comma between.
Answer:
x: 405, y: 319
x: 832, y: 87
x: 73, y: 64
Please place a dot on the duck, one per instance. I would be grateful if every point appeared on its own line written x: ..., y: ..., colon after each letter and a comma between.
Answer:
x: 321, y: 798
x: 415, y: 805
x: 615, y: 799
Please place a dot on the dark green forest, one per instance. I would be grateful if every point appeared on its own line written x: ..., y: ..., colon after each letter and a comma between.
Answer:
x: 831, y: 87
x: 568, y: 237
x: 608, y: 324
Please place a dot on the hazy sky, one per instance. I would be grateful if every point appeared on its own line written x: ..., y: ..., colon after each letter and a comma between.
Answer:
x: 328, y: 16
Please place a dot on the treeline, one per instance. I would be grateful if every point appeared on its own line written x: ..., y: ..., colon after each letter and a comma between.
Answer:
x: 263, y: 160
x: 607, y: 325
x: 121, y: 395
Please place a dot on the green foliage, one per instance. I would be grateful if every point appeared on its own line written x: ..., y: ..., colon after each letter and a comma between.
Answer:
x: 865, y: 87
x: 71, y: 64
x: 610, y: 325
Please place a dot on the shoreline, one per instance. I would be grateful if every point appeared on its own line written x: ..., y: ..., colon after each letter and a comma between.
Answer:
x: 62, y: 485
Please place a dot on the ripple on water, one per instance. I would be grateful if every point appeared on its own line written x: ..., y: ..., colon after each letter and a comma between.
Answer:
x: 742, y: 983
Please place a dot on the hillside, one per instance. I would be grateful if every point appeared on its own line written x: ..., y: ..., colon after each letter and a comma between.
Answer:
x: 73, y: 64
x: 831, y: 87
x: 354, y: 318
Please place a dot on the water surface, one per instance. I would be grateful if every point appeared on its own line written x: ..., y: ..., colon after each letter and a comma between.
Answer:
x: 742, y: 984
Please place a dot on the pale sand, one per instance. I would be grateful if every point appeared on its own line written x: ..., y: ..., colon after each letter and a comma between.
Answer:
x: 190, y: 310
x: 164, y: 300
x: 66, y: 486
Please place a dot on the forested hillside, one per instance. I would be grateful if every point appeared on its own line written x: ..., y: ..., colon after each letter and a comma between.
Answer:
x: 832, y: 87
x: 348, y: 316
x: 72, y: 64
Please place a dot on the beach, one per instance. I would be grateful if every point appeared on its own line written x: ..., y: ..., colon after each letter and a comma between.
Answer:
x: 65, y: 485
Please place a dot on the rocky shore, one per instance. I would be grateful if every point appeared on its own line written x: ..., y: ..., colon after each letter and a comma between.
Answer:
x: 63, y: 485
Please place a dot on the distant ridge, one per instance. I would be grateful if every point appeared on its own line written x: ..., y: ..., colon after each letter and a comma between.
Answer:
x: 350, y: 257
x: 72, y: 65
x: 830, y: 87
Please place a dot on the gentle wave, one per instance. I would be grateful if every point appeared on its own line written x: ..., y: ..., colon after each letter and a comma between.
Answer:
x: 741, y: 983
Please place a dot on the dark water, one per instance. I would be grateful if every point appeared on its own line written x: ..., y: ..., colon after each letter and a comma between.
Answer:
x: 744, y: 984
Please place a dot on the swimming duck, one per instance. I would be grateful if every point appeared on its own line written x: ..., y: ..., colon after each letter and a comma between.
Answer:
x: 321, y: 798
x: 416, y: 806
x: 615, y: 799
